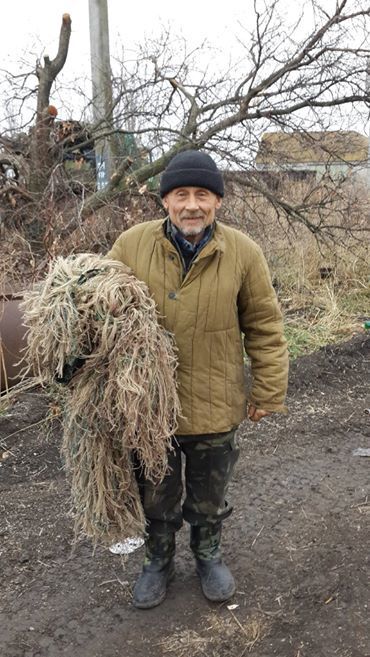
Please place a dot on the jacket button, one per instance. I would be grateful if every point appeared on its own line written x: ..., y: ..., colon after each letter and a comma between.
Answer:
x: 172, y: 295
x: 171, y: 257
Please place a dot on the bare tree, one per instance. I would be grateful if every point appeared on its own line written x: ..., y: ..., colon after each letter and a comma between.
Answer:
x: 167, y: 100
x: 285, y: 81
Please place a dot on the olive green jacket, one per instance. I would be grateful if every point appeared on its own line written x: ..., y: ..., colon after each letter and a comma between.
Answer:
x: 226, y: 291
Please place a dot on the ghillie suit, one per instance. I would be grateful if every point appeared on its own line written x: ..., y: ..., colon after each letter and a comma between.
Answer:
x: 93, y: 326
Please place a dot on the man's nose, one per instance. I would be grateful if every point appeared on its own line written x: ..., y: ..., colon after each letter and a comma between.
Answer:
x: 192, y: 202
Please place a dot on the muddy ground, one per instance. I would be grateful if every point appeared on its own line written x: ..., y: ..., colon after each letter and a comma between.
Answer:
x: 298, y: 541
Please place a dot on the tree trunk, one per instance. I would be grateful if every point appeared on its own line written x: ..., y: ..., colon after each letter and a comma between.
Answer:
x: 41, y: 143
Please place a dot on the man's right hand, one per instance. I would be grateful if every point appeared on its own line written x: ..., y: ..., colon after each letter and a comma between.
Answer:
x: 256, y: 414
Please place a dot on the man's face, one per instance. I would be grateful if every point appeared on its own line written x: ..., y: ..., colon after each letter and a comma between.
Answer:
x: 192, y: 209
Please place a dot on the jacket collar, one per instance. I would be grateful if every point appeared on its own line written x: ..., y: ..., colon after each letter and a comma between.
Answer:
x: 215, y: 243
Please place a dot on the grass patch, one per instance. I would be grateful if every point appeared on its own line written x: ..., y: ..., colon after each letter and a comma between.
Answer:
x: 304, y: 339
x: 320, y: 312
x: 327, y: 314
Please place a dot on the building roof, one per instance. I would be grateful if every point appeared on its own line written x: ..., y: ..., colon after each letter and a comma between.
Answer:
x: 312, y: 147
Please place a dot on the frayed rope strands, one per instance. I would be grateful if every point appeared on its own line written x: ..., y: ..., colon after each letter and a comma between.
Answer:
x: 121, y: 405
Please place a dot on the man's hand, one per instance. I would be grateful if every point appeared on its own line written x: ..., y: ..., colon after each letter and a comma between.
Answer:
x: 256, y: 414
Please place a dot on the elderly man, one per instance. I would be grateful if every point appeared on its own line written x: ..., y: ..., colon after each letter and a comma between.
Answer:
x: 211, y: 284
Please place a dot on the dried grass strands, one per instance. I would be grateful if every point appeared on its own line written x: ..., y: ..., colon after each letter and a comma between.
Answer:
x: 122, y: 402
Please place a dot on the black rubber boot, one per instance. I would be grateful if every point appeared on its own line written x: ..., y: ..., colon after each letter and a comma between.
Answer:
x: 151, y: 587
x: 216, y: 580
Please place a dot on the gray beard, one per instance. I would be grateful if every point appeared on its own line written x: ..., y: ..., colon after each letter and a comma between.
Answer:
x: 188, y: 232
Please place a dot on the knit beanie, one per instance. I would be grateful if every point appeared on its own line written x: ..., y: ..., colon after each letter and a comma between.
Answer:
x: 192, y: 169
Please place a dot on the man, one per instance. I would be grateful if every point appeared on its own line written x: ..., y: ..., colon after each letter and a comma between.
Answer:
x: 210, y: 283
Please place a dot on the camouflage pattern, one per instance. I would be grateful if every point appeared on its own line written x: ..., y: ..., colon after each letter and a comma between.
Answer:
x: 159, y: 549
x: 209, y: 463
x: 205, y: 541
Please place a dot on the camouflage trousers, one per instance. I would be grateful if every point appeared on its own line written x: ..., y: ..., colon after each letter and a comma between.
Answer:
x: 209, y: 462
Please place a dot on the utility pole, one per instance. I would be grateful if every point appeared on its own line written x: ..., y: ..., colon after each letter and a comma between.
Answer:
x: 101, y: 89
x: 368, y: 94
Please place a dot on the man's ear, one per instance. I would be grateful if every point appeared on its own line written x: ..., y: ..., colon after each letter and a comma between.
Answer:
x: 165, y: 202
x: 219, y: 202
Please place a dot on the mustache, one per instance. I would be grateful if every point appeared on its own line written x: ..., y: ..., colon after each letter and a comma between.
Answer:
x: 192, y: 215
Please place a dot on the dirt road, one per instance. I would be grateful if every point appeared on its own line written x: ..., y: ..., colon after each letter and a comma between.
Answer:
x: 297, y: 542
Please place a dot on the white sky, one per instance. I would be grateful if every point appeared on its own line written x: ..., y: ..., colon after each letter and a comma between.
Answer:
x: 33, y: 24
x: 30, y: 26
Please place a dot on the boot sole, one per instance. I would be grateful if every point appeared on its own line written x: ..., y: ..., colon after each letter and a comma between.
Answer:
x: 215, y: 598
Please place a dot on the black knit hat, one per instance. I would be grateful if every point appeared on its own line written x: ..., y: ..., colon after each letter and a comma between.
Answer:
x: 192, y: 169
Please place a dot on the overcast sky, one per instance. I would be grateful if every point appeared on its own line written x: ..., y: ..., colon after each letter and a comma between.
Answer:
x: 33, y: 24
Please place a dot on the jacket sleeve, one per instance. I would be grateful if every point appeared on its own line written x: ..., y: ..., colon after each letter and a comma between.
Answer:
x: 261, y: 322
x: 117, y: 250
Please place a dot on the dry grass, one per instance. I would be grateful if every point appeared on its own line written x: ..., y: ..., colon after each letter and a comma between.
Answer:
x: 317, y: 310
x: 223, y: 633
x: 322, y: 311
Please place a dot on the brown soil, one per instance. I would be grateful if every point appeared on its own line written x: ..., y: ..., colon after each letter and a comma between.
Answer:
x: 297, y: 542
